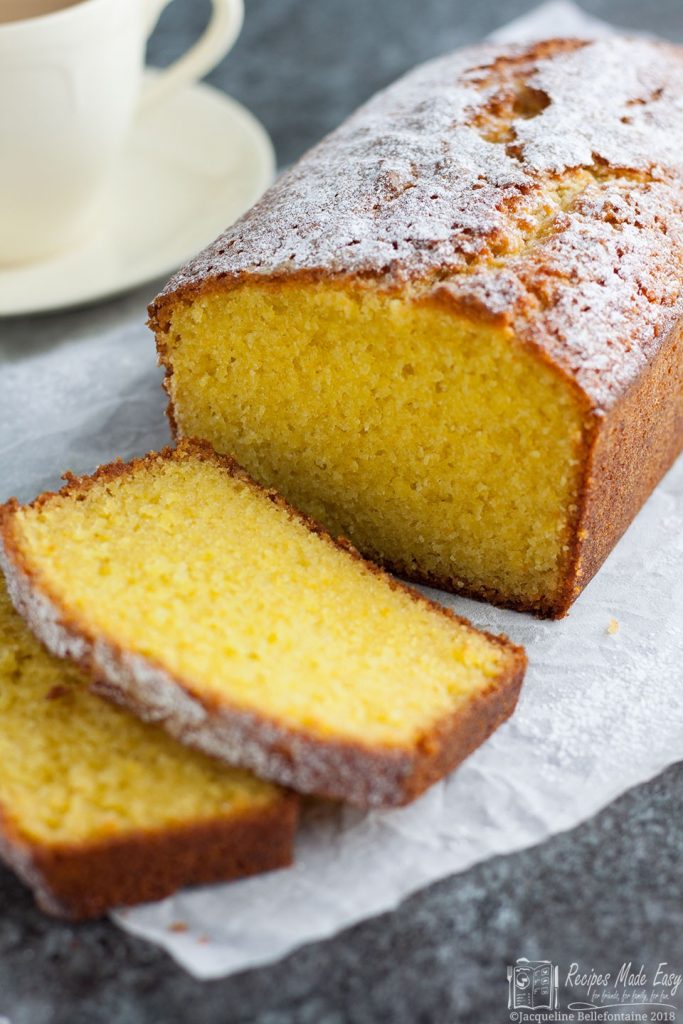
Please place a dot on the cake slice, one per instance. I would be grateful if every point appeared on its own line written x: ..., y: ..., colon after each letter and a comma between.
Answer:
x: 203, y: 602
x: 98, y: 809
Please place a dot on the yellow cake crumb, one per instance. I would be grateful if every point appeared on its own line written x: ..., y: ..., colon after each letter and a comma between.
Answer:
x: 74, y: 768
x: 202, y: 573
x: 441, y: 446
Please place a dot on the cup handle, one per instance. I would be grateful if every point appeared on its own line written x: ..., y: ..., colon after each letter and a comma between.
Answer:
x: 219, y: 35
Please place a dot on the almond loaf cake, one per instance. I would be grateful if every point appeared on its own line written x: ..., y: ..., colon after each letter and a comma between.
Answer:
x: 451, y: 332
x: 98, y: 809
x: 205, y: 603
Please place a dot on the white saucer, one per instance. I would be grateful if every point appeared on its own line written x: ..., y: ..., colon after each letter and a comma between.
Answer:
x: 193, y: 165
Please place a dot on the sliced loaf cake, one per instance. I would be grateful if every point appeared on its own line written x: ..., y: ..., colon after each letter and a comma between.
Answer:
x: 98, y: 809
x: 201, y: 601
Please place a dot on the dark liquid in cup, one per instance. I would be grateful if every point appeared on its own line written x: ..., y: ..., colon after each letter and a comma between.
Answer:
x: 22, y: 10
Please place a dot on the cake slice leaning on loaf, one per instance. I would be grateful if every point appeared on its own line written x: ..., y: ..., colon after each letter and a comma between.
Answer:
x: 205, y: 603
x: 452, y: 331
x: 99, y: 810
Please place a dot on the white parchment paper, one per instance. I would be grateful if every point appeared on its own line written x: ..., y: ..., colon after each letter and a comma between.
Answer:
x: 600, y: 711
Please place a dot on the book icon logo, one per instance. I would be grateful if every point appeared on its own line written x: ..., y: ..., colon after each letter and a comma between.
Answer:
x: 533, y: 985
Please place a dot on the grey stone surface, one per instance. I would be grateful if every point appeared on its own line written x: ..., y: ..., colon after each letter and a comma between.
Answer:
x: 606, y: 892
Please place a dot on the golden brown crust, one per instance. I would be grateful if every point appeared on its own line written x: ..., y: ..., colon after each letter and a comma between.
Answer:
x: 85, y: 880
x: 632, y: 449
x: 363, y: 775
x: 459, y: 735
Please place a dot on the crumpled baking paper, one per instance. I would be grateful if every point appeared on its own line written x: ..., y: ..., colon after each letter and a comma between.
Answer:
x: 601, y: 709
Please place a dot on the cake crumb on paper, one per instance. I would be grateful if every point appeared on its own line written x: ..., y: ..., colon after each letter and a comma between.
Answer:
x: 613, y: 627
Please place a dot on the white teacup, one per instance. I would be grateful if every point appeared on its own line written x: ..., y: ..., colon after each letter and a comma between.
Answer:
x: 70, y: 84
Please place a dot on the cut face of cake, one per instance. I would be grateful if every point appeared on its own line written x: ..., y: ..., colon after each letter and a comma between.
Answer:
x: 204, y: 602
x: 452, y: 331
x: 443, y: 448
x: 98, y: 809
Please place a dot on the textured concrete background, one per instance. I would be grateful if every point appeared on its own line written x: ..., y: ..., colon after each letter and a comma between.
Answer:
x: 609, y: 891
x: 606, y: 893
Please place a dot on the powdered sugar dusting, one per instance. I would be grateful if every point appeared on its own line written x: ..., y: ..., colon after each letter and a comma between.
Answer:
x: 463, y: 175
x: 618, y: 99
x: 603, y: 290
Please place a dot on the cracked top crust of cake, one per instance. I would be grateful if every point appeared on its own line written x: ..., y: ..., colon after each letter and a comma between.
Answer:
x: 539, y: 186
